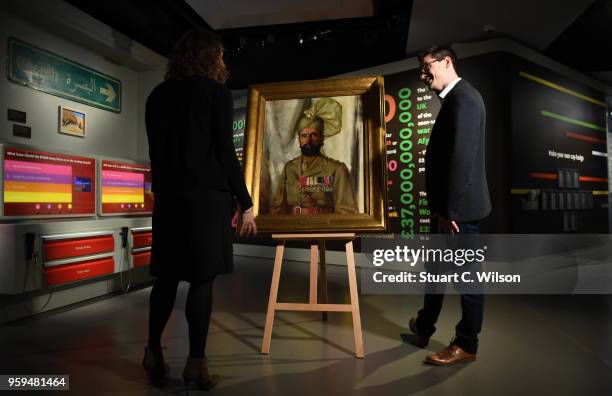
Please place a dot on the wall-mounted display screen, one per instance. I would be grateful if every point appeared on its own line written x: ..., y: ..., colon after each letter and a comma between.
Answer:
x: 125, y: 188
x: 42, y: 184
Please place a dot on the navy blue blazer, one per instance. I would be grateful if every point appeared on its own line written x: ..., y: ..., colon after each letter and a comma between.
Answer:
x: 456, y: 179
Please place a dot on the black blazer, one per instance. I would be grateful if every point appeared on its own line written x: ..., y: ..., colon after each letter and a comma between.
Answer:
x: 189, y: 126
x: 456, y: 180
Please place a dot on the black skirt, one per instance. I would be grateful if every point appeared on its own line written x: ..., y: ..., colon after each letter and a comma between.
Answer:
x: 192, y: 235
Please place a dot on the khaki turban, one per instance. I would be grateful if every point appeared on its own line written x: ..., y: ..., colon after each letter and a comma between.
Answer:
x: 327, y: 110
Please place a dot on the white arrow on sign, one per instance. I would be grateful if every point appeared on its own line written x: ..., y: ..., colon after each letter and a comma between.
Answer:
x: 109, y: 92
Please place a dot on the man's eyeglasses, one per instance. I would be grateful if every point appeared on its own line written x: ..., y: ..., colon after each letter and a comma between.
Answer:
x: 425, y: 68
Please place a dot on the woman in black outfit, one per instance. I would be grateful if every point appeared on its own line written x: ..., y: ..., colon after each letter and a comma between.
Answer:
x: 196, y: 176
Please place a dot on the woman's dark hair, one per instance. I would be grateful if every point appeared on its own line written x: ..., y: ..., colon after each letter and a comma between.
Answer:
x: 197, y: 53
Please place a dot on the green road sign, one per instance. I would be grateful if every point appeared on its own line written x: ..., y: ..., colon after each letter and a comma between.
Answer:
x: 55, y: 75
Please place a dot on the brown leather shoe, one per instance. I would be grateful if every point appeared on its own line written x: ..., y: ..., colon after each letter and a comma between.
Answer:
x: 449, y: 356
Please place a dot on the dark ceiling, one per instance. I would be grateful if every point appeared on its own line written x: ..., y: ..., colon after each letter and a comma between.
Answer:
x: 296, y: 51
x: 585, y: 45
x: 302, y: 51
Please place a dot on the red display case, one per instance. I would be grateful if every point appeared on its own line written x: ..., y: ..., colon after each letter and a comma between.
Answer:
x: 61, y: 274
x: 142, y: 239
x: 141, y: 259
x: 77, y: 256
x: 68, y: 248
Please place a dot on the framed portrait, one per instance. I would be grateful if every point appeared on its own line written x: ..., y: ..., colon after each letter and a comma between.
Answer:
x: 314, y: 157
x: 71, y: 122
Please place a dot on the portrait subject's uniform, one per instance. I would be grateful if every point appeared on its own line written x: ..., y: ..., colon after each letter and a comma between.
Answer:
x: 314, y: 186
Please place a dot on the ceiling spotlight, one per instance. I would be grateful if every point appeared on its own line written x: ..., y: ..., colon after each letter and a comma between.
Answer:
x: 300, y: 39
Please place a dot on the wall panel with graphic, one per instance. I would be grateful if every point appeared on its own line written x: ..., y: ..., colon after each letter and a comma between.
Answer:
x: 411, y: 110
x: 560, y: 171
x: 546, y: 154
x: 545, y: 148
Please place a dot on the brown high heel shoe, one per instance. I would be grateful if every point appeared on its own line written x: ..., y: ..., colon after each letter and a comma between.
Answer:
x: 153, y: 362
x: 196, y: 371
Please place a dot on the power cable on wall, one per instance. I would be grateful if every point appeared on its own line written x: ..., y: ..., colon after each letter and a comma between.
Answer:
x: 125, y: 248
x: 31, y: 256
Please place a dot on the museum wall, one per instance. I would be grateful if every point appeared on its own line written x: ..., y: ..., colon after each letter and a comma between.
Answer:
x: 59, y: 29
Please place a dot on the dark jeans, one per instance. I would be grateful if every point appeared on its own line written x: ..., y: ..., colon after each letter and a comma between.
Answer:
x: 466, y: 331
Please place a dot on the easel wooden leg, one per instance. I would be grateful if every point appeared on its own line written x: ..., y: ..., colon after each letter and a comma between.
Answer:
x: 317, y: 253
x: 323, y: 276
x: 314, y: 257
x: 278, y: 262
x: 352, y: 275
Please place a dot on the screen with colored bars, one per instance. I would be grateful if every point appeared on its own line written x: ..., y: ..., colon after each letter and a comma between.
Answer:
x: 42, y: 184
x: 125, y: 188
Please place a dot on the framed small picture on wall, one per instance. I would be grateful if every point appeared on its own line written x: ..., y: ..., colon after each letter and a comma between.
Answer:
x: 71, y: 122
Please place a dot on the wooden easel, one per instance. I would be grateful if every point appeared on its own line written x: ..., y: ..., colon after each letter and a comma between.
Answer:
x: 316, y: 249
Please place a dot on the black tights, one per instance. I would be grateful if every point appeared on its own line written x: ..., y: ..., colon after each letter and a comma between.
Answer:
x: 197, y: 311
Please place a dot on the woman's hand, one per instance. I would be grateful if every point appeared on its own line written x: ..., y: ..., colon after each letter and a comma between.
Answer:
x: 249, y: 228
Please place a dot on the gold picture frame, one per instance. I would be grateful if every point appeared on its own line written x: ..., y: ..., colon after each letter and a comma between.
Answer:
x: 71, y: 121
x: 272, y: 144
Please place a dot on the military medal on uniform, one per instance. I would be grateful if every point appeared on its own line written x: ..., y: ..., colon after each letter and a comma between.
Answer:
x: 312, y: 184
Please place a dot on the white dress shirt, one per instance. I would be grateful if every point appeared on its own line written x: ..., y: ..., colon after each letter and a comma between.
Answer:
x: 450, y: 86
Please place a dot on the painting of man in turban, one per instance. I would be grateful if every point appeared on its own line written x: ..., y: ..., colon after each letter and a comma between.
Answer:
x: 313, y: 160
x: 313, y: 183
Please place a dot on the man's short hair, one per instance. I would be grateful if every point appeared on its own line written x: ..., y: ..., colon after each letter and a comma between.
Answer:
x: 439, y: 53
